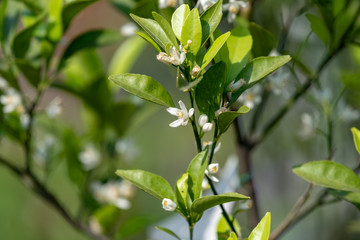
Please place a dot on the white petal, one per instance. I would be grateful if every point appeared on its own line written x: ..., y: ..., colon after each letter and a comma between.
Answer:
x: 214, y: 179
x: 168, y: 205
x: 191, y: 112
x: 173, y: 111
x: 202, y: 119
x: 217, y: 148
x: 176, y: 123
x: 182, y: 106
x: 122, y: 203
x: 207, y: 127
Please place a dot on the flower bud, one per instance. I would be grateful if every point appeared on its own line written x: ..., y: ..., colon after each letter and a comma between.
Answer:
x: 168, y: 205
x: 207, y: 127
x: 203, y: 119
x: 195, y: 71
x: 213, y: 167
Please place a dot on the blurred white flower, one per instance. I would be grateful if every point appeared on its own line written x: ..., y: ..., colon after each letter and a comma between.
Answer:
x: 209, y: 143
x: 176, y: 58
x: 217, y: 147
x: 170, y: 3
x: 213, y: 168
x: 128, y: 29
x: 307, y: 126
x: 11, y: 100
x: 94, y: 225
x: 205, y: 184
x: 233, y: 8
x: 89, y: 157
x: 203, y: 5
x: 168, y: 205
x: 279, y: 82
x: 43, y: 148
x: 3, y: 84
x: 126, y: 149
x: 116, y: 193
x: 25, y: 120
x: 347, y: 113
x: 245, y: 205
x: 251, y: 96
x: 54, y: 108
x: 182, y: 114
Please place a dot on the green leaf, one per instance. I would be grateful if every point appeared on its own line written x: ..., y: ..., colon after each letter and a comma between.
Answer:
x: 225, y: 119
x: 232, y: 236
x: 196, y: 172
x: 209, y: 91
x: 356, y: 136
x: 213, y: 50
x: 91, y: 39
x: 192, y: 31
x: 30, y: 71
x: 210, y: 19
x: 263, y: 40
x: 201, y: 204
x: 126, y: 55
x: 108, y: 216
x: 55, y: 28
x: 154, y: 30
x: 144, y: 8
x: 352, y: 197
x: 168, y: 231
x: 319, y: 28
x: 149, y: 40
x: 257, y: 70
x: 262, y: 230
x: 167, y: 29
x: 3, y: 6
x: 144, y: 87
x: 149, y: 182
x: 71, y: 9
x: 178, y: 19
x: 182, y: 191
x: 21, y: 42
x: 329, y: 174
x: 223, y: 229
x: 235, y: 52
x: 33, y: 5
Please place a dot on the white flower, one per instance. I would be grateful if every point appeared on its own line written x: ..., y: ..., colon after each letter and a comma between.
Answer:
x: 89, y: 157
x: 176, y: 58
x: 347, y: 113
x: 11, y: 100
x: 182, y: 114
x: 307, y: 126
x: 43, y: 148
x: 233, y: 8
x: 168, y: 205
x: 25, y: 120
x: 203, y: 5
x: 54, y: 108
x: 217, y: 147
x: 3, y: 84
x: 114, y: 192
x: 234, y: 86
x: 207, y: 127
x: 126, y: 149
x: 251, y: 97
x: 169, y: 3
x: 209, y: 143
x: 245, y: 205
x: 212, y: 169
x: 128, y: 29
x: 203, y: 118
x: 94, y: 225
x: 205, y: 184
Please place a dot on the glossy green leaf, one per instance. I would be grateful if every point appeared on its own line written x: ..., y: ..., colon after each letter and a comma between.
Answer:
x: 178, y: 19
x: 204, y: 203
x: 210, y: 19
x: 263, y: 40
x: 168, y: 231
x: 344, y: 20
x: 319, y: 28
x: 3, y: 6
x: 232, y: 236
x: 21, y: 42
x: 144, y: 87
x: 144, y: 8
x: 124, y: 6
x: 126, y: 55
x: 30, y: 71
x: 107, y: 216
x: 91, y: 39
x: 225, y: 119
x: 55, y: 28
x: 214, y: 49
x: 223, y: 229
x: 356, y: 136
x: 149, y: 182
x: 329, y: 174
x: 154, y: 30
x: 181, y: 188
x: 352, y: 197
x: 196, y: 172
x: 262, y: 230
x: 209, y: 91
x: 235, y: 52
x: 167, y: 28
x: 71, y: 9
x: 192, y: 31
x: 149, y: 40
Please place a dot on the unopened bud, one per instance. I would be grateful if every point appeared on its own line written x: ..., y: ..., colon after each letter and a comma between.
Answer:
x: 207, y: 127
x: 168, y: 205
x: 195, y: 71
x: 203, y: 119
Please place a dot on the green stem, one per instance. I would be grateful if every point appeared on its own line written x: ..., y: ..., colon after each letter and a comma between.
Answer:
x: 194, y: 127
x: 191, y: 230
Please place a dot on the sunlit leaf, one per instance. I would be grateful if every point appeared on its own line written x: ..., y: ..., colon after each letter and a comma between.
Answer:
x: 223, y: 229
x: 165, y: 25
x: 262, y: 230
x: 181, y: 188
x: 192, y: 31
x: 352, y: 197
x: 178, y: 19
x: 356, y: 136
x: 210, y: 19
x: 149, y: 40
x: 196, y: 172
x: 214, y: 48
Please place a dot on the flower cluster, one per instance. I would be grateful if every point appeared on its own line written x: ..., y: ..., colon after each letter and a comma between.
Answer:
x: 89, y: 157
x: 176, y: 58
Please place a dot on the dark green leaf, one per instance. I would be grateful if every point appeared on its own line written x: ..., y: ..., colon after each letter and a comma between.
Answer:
x: 71, y: 9
x: 225, y: 119
x: 134, y: 225
x: 263, y: 40
x: 178, y: 19
x: 356, y: 136
x: 31, y: 72
x: 124, y: 6
x: 91, y: 39
x: 168, y: 231
x: 209, y: 91
x: 204, y: 203
x: 144, y: 87
x: 149, y: 40
x: 149, y: 182
x: 210, y: 19
x: 262, y: 230
x: 329, y: 174
x: 108, y: 216
x: 3, y: 6
x: 196, y: 172
x: 319, y: 28
x: 165, y: 25
x: 144, y: 8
